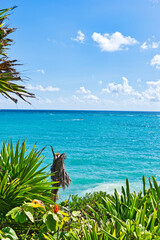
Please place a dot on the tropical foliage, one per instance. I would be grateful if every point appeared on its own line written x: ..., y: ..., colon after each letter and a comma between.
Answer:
x: 9, y: 76
x: 26, y: 209
x: 119, y: 216
x: 21, y: 179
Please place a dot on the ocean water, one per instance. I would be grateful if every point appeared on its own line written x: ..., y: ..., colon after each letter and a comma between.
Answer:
x: 103, y: 148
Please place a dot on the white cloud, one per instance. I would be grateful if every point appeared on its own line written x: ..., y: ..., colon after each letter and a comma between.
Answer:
x: 100, y: 82
x: 87, y: 95
x: 139, y: 80
x: 50, y: 40
x: 80, y: 37
x: 155, y: 44
x: 41, y: 100
x: 152, y: 93
x: 150, y: 45
x: 77, y: 99
x: 144, y: 45
x: 155, y: 61
x: 83, y: 90
x: 42, y: 89
x: 91, y: 97
x: 114, y: 42
x: 124, y: 88
x: 41, y: 71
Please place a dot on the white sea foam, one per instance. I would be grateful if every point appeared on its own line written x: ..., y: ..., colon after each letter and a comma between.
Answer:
x: 110, y: 187
x: 80, y: 119
x: 68, y: 120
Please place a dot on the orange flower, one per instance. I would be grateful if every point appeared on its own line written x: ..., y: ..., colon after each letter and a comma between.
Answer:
x: 56, y: 209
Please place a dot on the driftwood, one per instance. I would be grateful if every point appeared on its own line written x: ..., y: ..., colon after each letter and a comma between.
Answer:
x: 60, y: 175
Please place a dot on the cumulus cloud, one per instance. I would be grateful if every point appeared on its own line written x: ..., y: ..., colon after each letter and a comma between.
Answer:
x: 100, y: 82
x: 80, y: 37
x: 144, y: 45
x: 83, y: 90
x: 41, y: 100
x: 123, y: 88
x: 139, y: 80
x: 86, y: 95
x: 113, y: 42
x: 77, y: 99
x: 150, y: 94
x: 41, y: 71
x: 43, y: 89
x: 152, y: 45
x: 91, y: 97
x: 155, y: 61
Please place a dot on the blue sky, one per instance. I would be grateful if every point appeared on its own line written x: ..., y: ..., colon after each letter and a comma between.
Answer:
x: 88, y: 54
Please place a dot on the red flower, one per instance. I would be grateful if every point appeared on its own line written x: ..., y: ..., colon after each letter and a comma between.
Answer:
x: 56, y: 209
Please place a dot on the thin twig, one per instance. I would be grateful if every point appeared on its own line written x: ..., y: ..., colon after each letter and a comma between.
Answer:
x: 27, y: 232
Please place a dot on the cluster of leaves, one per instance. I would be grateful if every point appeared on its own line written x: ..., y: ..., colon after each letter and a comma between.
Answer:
x: 78, y: 202
x: 124, y: 216
x: 26, y: 209
x: 21, y: 178
x: 119, y: 216
x: 32, y: 220
x: 97, y: 216
x: 9, y: 76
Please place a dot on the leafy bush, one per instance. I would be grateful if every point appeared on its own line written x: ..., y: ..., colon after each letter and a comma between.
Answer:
x: 78, y: 203
x: 120, y: 216
x: 99, y: 217
x: 21, y: 178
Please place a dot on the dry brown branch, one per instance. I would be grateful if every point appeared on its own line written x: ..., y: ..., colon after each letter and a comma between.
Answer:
x: 60, y: 175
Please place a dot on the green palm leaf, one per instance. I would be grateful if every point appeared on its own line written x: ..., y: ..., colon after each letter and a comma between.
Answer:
x: 9, y: 76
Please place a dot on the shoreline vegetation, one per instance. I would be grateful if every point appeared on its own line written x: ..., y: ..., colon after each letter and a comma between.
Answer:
x: 27, y: 210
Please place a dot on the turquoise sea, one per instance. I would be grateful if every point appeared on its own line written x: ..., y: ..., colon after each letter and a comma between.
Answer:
x: 103, y: 148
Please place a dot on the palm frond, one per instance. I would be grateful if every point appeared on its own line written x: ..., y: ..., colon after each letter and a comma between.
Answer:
x: 9, y: 76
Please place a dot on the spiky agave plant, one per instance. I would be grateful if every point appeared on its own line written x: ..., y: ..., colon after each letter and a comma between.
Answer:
x: 9, y: 76
x: 21, y: 177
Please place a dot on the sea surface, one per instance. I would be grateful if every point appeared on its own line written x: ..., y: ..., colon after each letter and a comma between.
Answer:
x: 103, y: 148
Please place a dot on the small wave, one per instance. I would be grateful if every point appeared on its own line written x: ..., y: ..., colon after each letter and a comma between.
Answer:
x: 68, y: 120
x: 51, y: 114
x: 124, y: 115
x: 110, y: 187
x: 80, y: 119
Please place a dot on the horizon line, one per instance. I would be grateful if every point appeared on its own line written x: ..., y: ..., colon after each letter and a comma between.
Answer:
x: 79, y: 110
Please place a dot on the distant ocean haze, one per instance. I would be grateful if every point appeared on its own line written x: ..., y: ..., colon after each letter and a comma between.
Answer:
x: 103, y: 148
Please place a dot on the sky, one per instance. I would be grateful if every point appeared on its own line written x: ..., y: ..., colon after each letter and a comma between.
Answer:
x: 87, y: 54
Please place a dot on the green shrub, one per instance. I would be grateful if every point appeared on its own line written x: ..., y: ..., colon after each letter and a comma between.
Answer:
x: 96, y: 216
x: 21, y: 178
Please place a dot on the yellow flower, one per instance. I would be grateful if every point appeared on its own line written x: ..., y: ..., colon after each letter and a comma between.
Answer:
x: 38, y: 203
